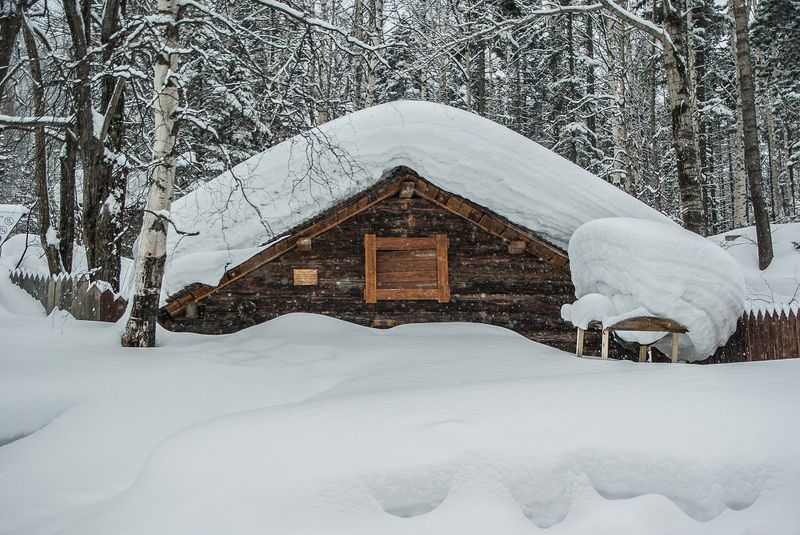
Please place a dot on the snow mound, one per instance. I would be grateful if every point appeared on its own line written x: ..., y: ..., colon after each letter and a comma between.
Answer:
x: 624, y: 267
x: 779, y: 284
x: 239, y: 212
x: 310, y: 425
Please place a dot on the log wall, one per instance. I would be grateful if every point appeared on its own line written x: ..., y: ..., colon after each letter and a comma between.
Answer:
x: 487, y: 283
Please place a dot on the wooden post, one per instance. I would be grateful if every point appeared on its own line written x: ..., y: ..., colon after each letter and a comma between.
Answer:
x: 676, y: 337
x: 442, y: 276
x: 604, y: 353
x: 642, y: 353
x: 370, y: 270
x: 579, y: 347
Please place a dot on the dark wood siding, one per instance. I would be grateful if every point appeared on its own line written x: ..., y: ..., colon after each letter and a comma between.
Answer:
x: 487, y: 283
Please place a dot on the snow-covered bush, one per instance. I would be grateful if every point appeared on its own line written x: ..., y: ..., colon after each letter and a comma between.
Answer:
x: 624, y: 267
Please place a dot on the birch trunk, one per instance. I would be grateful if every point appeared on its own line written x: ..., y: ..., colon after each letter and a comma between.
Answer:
x: 739, y: 173
x: 152, y: 252
x: 752, y: 157
x: 684, y: 133
x: 672, y: 35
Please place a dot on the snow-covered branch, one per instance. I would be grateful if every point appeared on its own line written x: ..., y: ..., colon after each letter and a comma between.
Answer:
x: 638, y: 22
x: 11, y: 121
x: 316, y: 22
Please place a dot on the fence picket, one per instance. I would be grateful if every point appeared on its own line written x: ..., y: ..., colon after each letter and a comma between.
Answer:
x: 83, y: 300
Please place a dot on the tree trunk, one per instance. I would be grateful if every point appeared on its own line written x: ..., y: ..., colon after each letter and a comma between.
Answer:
x: 591, y: 119
x: 93, y: 161
x: 739, y: 172
x: 47, y: 235
x: 358, y: 33
x: 684, y: 134
x: 655, y: 157
x: 699, y: 68
x: 140, y: 330
x: 787, y: 147
x: 616, y: 74
x: 66, y: 220
x: 752, y: 157
x: 376, y: 38
x: 572, y: 96
x: 111, y: 183
x: 480, y: 69
x: 9, y: 29
x: 778, y: 211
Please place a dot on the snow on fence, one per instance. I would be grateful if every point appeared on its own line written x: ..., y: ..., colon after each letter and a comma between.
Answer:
x: 763, y: 333
x: 83, y: 299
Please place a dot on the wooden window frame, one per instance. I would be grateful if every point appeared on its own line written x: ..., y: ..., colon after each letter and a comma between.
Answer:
x: 373, y: 244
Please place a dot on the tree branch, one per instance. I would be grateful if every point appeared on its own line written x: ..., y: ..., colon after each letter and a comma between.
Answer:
x: 11, y: 121
x: 638, y: 22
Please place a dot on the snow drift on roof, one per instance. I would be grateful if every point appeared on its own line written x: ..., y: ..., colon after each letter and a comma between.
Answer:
x: 623, y: 267
x: 240, y: 211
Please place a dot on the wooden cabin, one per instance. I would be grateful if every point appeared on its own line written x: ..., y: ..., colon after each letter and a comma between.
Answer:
x: 401, y: 251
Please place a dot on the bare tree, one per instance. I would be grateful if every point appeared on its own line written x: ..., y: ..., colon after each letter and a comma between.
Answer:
x: 46, y: 232
x: 752, y: 156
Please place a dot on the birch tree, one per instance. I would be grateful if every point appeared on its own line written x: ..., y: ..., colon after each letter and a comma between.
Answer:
x: 151, y: 256
x: 672, y: 36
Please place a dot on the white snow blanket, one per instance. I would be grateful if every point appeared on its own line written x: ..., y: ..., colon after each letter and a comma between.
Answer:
x: 779, y: 284
x: 310, y: 425
x: 625, y: 267
x: 242, y: 210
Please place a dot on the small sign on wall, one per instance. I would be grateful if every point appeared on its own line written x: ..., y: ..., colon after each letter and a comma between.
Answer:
x: 305, y: 277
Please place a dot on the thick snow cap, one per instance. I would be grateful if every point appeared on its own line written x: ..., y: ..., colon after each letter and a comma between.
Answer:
x: 242, y: 210
x: 624, y: 267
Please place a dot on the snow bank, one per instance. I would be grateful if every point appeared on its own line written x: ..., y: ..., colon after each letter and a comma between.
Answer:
x: 779, y: 284
x: 239, y: 212
x: 625, y: 267
x: 310, y: 425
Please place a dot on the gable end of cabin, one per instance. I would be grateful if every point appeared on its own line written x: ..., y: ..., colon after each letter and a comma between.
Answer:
x: 403, y: 251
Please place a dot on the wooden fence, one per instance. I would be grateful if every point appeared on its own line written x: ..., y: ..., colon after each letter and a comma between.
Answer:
x: 764, y: 333
x: 83, y: 299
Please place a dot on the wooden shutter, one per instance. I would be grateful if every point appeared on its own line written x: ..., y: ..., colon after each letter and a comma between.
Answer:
x: 406, y: 268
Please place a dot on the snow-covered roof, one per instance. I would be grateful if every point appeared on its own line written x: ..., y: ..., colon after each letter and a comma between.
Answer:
x: 239, y: 212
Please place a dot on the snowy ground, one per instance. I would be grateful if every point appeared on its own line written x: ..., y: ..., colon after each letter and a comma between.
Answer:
x: 311, y: 425
x: 780, y: 282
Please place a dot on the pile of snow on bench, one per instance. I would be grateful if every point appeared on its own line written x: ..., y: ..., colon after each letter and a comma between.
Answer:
x: 626, y: 267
